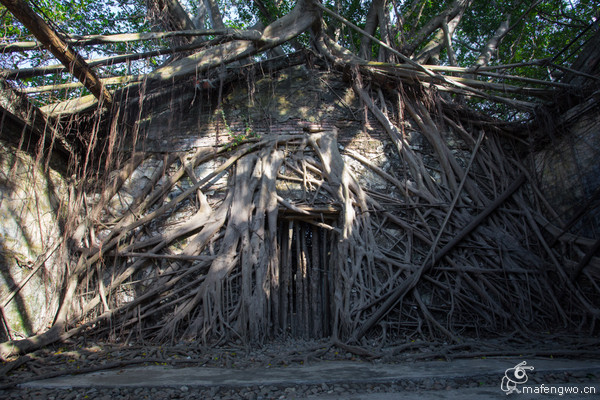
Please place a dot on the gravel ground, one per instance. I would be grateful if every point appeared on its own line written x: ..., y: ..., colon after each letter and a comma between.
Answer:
x: 261, y: 392
x: 63, y: 360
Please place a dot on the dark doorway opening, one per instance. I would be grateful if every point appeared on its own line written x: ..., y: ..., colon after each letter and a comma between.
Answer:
x: 306, y: 284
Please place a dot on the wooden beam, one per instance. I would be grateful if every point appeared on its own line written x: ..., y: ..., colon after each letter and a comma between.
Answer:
x: 50, y: 39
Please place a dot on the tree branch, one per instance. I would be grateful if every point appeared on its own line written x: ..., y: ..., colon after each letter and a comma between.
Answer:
x: 88, y: 40
x: 435, y: 23
x: 57, y: 68
x: 428, y: 72
x: 492, y: 44
x: 50, y: 39
x: 448, y: 42
x: 171, y: 16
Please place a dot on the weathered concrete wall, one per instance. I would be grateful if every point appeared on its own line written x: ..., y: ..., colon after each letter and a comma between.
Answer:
x: 569, y: 173
x: 30, y: 200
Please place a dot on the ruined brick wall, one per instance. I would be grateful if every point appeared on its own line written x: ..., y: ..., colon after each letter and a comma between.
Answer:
x: 289, y: 102
x: 285, y: 103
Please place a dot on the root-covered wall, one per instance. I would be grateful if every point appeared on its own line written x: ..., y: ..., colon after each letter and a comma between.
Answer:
x: 569, y: 173
x: 308, y: 203
x: 306, y: 206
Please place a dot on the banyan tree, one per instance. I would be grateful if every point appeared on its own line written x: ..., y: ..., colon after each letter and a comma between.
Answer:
x: 372, y: 172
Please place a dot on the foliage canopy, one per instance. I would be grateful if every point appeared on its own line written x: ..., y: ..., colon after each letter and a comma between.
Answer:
x: 552, y: 30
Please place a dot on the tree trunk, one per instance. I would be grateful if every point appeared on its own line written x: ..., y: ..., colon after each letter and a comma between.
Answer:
x: 366, y: 51
x: 173, y: 16
x: 434, y: 24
